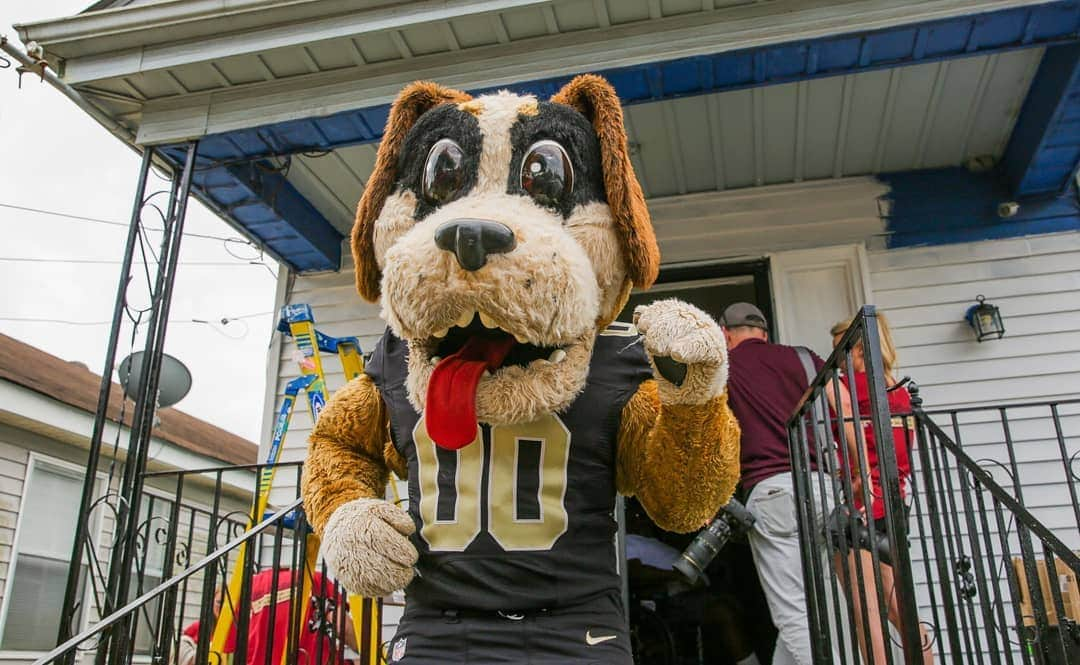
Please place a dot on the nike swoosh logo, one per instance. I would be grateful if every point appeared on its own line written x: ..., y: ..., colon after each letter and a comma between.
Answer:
x: 593, y: 641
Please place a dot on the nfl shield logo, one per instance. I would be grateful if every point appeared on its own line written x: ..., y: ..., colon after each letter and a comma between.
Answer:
x: 399, y: 649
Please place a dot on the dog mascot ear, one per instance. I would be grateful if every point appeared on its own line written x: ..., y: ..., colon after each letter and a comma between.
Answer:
x: 594, y: 98
x: 411, y: 103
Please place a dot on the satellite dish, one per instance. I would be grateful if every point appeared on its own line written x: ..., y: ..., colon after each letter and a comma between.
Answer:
x: 174, y: 380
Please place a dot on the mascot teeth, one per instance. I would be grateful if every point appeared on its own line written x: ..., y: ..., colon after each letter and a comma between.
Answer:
x: 487, y: 320
x: 441, y: 333
x: 466, y: 318
x: 435, y: 360
x: 557, y: 356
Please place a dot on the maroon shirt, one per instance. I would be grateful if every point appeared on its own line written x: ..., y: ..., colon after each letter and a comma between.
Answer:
x: 765, y: 383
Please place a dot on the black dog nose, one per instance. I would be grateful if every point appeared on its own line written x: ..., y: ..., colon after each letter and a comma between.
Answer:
x: 471, y: 240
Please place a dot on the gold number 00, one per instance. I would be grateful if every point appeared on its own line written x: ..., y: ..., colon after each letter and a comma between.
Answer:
x: 512, y: 533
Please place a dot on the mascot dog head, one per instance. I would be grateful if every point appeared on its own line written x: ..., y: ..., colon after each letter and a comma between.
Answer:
x: 501, y: 234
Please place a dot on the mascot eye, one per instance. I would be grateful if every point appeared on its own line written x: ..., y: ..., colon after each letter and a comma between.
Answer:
x: 444, y: 173
x: 547, y: 174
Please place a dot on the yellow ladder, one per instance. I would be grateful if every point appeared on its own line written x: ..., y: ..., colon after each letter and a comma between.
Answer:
x: 298, y: 321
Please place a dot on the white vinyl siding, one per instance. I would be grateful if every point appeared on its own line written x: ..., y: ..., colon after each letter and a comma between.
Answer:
x: 12, y: 474
x: 1036, y: 283
x: 1035, y: 280
x: 339, y: 312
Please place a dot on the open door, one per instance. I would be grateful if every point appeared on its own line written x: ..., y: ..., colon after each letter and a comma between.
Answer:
x: 815, y: 288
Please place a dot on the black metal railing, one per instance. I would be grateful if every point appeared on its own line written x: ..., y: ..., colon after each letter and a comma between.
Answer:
x: 1000, y: 524
x: 193, y: 526
x: 969, y: 559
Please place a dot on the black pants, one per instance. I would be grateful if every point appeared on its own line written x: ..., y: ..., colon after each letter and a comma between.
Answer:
x: 587, y: 634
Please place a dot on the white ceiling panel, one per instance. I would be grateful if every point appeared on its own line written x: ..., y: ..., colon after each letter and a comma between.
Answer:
x: 778, y: 118
x: 425, y: 40
x: 909, y: 112
x: 737, y: 138
x: 475, y: 31
x: 627, y: 11
x: 864, y: 121
x: 573, y: 16
x: 948, y: 111
x: 332, y: 55
x: 287, y: 62
x: 873, y: 122
x: 243, y: 69
x: 525, y: 23
x: 691, y: 123
x: 1001, y: 104
x: 824, y: 102
x: 377, y: 47
x: 655, y: 150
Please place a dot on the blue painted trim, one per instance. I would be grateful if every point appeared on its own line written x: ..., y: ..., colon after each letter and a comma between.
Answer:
x: 260, y: 199
x: 1044, y: 151
x: 943, y: 206
x: 978, y: 34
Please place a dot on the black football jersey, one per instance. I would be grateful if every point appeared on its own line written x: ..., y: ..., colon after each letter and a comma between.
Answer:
x: 523, y: 517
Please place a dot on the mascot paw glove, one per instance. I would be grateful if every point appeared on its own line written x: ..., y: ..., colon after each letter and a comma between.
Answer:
x: 673, y: 330
x: 366, y: 544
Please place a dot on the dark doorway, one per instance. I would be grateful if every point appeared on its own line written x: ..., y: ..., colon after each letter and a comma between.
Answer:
x: 670, y: 622
x: 711, y: 287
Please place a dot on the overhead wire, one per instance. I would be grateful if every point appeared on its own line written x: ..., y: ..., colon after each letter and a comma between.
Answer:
x: 110, y: 222
x: 26, y: 259
x: 218, y: 325
x: 256, y: 258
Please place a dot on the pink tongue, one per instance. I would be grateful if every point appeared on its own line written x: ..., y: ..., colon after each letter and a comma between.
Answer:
x: 451, y: 394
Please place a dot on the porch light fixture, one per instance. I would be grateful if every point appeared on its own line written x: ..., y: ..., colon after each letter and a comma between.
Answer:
x: 985, y: 319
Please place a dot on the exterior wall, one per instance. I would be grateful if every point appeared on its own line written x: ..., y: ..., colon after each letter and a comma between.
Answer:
x: 925, y: 292
x: 13, y: 461
x: 16, y: 448
x: 1035, y: 281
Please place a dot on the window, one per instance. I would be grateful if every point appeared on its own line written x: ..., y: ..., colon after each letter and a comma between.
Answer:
x: 39, y: 564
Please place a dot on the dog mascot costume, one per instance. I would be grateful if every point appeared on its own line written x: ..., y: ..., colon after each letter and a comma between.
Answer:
x: 503, y: 236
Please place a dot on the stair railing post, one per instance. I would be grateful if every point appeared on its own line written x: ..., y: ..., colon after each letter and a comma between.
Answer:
x: 71, y: 589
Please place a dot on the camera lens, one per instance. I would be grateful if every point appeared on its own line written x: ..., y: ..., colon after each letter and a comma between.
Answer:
x: 703, y: 549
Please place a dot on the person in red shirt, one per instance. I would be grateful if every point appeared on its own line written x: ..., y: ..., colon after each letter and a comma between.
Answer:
x: 903, y: 438
x: 260, y: 635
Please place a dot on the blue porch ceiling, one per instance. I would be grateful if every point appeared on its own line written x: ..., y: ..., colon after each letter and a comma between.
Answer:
x: 274, y: 212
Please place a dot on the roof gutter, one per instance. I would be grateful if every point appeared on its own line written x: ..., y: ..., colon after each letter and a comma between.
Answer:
x: 39, y: 66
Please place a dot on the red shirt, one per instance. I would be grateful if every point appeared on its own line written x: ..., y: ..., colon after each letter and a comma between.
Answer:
x: 259, y: 623
x: 765, y: 383
x: 899, y: 403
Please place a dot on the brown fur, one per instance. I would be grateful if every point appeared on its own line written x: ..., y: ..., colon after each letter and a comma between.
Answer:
x: 680, y: 460
x: 594, y: 98
x: 678, y: 448
x: 347, y: 452
x: 412, y: 102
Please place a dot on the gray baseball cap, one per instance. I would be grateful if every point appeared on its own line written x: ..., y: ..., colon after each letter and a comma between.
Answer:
x: 743, y: 314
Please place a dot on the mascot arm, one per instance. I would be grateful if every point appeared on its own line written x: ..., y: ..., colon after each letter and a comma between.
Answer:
x: 364, y: 538
x: 679, y: 444
x: 680, y: 460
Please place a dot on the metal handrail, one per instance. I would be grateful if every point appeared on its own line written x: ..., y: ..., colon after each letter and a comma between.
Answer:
x: 161, y: 589
x: 223, y: 469
x: 1022, y: 514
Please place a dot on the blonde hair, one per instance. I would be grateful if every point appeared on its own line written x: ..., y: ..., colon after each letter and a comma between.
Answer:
x: 888, y: 349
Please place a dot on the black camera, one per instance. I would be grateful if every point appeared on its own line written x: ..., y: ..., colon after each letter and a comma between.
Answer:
x: 732, y: 520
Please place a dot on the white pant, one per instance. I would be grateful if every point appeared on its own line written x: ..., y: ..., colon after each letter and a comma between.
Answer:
x: 774, y: 541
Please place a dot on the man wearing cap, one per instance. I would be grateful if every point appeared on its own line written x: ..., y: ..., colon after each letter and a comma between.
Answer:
x: 765, y: 383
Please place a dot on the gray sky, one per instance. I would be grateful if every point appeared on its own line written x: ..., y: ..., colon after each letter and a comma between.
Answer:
x: 55, y: 157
